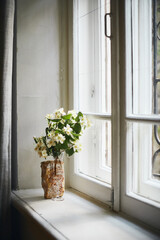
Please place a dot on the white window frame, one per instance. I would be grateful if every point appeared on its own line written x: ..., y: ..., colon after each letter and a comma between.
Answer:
x: 139, y: 164
x: 132, y: 204
x: 93, y: 187
x: 122, y: 199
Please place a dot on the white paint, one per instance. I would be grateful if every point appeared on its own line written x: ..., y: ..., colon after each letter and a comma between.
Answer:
x: 38, y: 87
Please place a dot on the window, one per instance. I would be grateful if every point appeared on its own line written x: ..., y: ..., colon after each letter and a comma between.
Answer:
x: 123, y: 105
x: 92, y: 96
x: 142, y: 100
x: 94, y: 88
x: 142, y: 182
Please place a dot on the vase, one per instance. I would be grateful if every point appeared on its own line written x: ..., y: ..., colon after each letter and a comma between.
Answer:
x: 52, y: 173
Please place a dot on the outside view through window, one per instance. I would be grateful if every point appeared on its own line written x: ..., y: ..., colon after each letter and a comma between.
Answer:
x: 156, y: 84
x: 94, y: 84
x: 143, y: 99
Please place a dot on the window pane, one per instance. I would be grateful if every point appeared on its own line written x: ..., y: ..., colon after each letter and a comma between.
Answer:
x: 143, y: 77
x: 94, y: 86
x: 94, y: 57
x: 143, y: 160
x: 156, y: 38
x: 95, y: 158
x: 156, y: 56
x: 156, y: 153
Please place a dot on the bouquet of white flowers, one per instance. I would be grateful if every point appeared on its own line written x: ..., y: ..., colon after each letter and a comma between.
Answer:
x: 62, y: 133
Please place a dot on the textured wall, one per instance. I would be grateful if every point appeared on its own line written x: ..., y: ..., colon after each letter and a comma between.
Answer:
x: 38, y: 87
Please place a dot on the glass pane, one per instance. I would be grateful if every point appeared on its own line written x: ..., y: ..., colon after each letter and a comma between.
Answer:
x: 94, y: 57
x: 156, y: 38
x: 156, y: 56
x: 156, y: 153
x: 143, y: 77
x: 95, y: 158
x: 158, y: 97
x: 143, y: 160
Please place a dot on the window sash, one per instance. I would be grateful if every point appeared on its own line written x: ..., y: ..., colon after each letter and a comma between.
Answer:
x: 131, y: 204
x: 84, y: 184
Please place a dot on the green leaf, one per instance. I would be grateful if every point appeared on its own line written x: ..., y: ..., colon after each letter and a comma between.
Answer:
x: 77, y: 128
x: 67, y: 117
x: 60, y: 125
x: 47, y: 130
x: 35, y: 139
x: 55, y: 151
x: 76, y: 135
x: 58, y: 131
x: 58, y: 146
x: 49, y: 151
x: 64, y: 145
x: 69, y: 138
x: 44, y: 140
x: 55, y: 120
x: 70, y: 123
x: 70, y: 151
x: 78, y: 116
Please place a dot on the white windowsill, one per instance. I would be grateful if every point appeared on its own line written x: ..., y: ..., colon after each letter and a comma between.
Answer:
x: 143, y: 199
x: 77, y: 217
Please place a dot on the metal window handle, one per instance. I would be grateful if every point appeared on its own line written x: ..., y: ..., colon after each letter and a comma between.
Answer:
x: 105, y: 24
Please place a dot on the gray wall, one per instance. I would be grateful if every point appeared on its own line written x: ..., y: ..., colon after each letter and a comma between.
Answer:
x: 24, y: 227
x: 38, y: 73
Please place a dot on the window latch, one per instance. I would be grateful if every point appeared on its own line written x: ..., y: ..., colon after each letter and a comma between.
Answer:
x: 107, y: 25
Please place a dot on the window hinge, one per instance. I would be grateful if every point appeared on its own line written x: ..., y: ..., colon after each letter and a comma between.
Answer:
x: 111, y: 202
x: 112, y: 198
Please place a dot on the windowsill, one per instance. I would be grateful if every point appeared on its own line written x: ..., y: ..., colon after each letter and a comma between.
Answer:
x: 77, y: 217
x: 143, y: 199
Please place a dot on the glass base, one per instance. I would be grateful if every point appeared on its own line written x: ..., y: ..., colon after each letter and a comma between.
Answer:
x: 58, y: 198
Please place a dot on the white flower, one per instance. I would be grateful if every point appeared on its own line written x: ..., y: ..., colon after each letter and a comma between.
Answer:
x: 50, y: 143
x: 40, y: 143
x: 62, y: 121
x: 59, y: 138
x: 44, y: 153
x: 50, y: 116
x: 61, y: 110
x: 59, y: 113
x: 51, y: 124
x: 67, y: 129
x: 73, y: 112
x: 89, y: 123
x: 40, y: 153
x: 39, y: 146
x: 77, y: 146
x: 51, y: 134
x: 83, y: 121
x: 36, y: 148
x: 82, y: 131
x: 73, y: 121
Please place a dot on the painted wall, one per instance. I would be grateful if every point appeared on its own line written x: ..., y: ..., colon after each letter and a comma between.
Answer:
x: 38, y: 75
